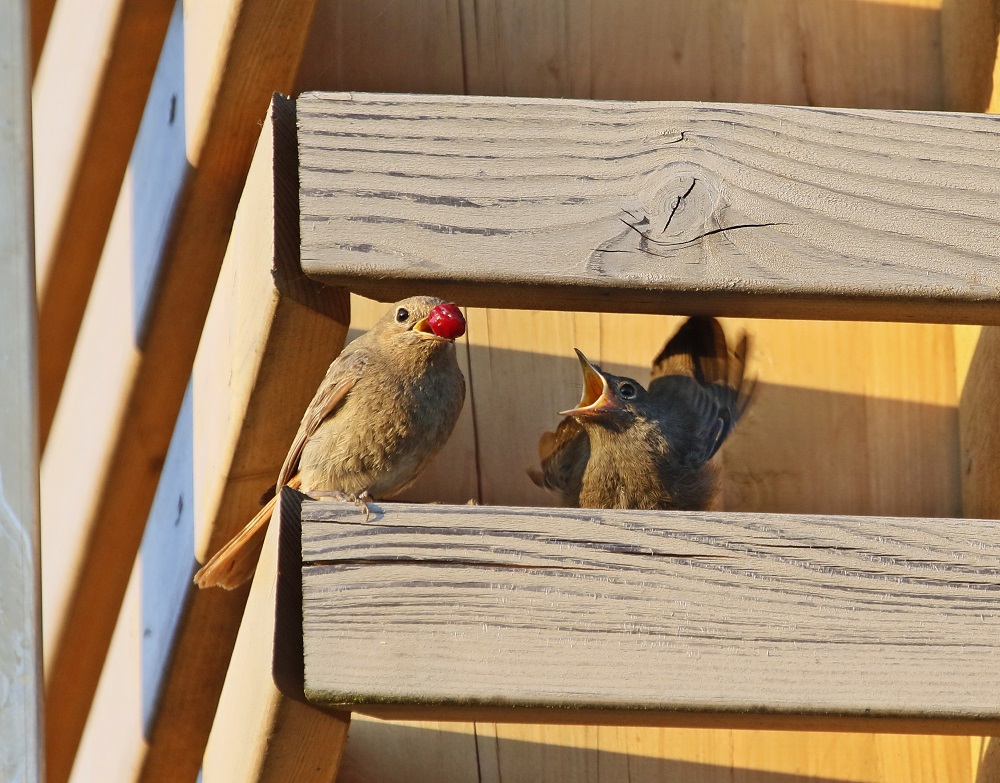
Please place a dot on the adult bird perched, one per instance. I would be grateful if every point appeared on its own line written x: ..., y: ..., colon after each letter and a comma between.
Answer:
x: 624, y: 446
x: 387, y: 404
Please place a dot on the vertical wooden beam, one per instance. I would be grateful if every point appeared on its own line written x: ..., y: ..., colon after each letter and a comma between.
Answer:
x: 88, y: 99
x: 41, y: 16
x: 234, y: 55
x: 261, y: 734
x: 261, y: 357
x: 20, y: 632
x: 969, y: 35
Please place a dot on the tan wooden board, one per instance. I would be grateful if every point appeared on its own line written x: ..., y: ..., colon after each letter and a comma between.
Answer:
x: 41, y: 16
x: 673, y: 618
x: 261, y: 356
x: 877, y: 55
x: 654, y: 207
x: 807, y: 444
x: 111, y: 444
x: 261, y: 733
x: 88, y: 99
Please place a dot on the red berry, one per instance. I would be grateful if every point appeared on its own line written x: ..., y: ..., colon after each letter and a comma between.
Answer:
x: 447, y: 321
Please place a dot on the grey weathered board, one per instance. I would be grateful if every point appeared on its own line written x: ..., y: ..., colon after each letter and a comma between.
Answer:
x: 672, y: 618
x: 767, y: 211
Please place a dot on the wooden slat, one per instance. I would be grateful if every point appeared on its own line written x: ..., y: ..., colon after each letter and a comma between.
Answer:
x: 877, y: 55
x: 41, y: 17
x: 261, y: 733
x: 797, y: 52
x: 848, y: 417
x: 100, y: 55
x: 839, y: 623
x: 20, y: 600
x: 780, y: 211
x: 261, y: 355
x: 969, y: 37
x: 233, y: 56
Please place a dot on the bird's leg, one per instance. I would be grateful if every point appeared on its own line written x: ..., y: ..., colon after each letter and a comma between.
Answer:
x: 345, y: 497
x: 362, y: 500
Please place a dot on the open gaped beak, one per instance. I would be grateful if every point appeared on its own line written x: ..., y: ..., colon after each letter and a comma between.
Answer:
x: 423, y: 328
x: 596, y: 394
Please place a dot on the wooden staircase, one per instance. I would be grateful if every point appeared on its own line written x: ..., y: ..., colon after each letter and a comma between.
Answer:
x: 438, y: 612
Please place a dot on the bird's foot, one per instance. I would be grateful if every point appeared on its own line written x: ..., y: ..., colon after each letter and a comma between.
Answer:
x: 362, y: 500
x: 345, y: 497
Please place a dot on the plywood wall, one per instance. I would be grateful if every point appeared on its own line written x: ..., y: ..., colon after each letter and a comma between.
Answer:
x: 850, y: 417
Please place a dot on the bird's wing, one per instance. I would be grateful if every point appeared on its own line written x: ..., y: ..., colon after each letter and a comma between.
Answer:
x: 563, y: 454
x: 698, y: 350
x: 339, y: 380
x: 704, y: 382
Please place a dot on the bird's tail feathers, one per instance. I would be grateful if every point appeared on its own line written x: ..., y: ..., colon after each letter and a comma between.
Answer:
x: 236, y: 562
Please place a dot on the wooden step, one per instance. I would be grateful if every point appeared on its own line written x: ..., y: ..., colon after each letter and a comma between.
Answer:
x: 727, y: 209
x: 435, y: 612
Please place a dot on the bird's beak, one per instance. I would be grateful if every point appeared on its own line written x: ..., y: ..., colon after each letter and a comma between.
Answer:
x: 423, y: 328
x: 596, y: 395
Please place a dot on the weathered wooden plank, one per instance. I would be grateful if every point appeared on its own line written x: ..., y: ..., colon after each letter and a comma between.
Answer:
x: 849, y: 418
x: 20, y: 596
x: 100, y: 55
x: 233, y: 56
x: 846, y: 623
x: 655, y: 207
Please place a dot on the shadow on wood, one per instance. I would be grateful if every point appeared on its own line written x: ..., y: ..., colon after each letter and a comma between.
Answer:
x: 501, y: 753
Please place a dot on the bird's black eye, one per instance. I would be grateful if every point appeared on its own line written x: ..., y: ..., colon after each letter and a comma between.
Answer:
x: 627, y: 391
x: 402, y: 314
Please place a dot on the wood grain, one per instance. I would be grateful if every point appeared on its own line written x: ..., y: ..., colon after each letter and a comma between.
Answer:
x: 805, y: 443
x: 643, y: 207
x: 682, y: 618
x: 21, y: 686
x: 234, y: 55
x: 877, y: 55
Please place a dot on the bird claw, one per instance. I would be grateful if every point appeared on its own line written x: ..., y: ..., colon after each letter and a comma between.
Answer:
x: 362, y: 500
x: 346, y: 497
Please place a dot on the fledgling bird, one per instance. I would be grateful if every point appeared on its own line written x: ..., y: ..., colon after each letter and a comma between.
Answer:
x: 624, y: 446
x: 386, y: 406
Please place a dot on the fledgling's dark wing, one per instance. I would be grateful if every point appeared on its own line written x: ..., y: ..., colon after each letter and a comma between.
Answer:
x: 701, y: 384
x: 563, y: 455
x: 697, y: 350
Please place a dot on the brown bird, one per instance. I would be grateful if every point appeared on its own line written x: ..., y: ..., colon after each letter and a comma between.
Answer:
x: 627, y: 447
x: 387, y: 404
